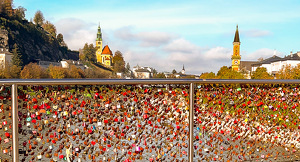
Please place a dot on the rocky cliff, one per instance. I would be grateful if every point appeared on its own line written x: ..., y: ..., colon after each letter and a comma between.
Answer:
x: 33, y: 41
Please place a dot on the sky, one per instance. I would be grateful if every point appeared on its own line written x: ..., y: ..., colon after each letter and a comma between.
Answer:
x: 168, y: 34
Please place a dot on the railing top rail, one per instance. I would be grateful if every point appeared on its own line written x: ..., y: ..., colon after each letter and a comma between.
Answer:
x: 139, y: 81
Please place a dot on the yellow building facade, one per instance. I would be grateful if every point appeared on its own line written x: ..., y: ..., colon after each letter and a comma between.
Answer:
x: 236, y: 57
x: 104, y: 55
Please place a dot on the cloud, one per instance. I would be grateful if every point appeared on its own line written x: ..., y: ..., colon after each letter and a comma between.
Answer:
x: 76, y: 32
x: 181, y: 45
x: 177, y: 53
x: 261, y: 53
x: 257, y: 33
x: 144, y: 39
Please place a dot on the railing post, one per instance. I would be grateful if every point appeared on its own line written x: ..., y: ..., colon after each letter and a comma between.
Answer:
x: 191, y: 123
x: 15, y: 132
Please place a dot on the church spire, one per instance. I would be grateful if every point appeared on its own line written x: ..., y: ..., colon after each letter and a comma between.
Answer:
x: 237, y: 37
x: 99, y: 34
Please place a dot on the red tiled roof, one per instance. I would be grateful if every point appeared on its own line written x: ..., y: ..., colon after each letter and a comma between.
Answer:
x: 106, y: 50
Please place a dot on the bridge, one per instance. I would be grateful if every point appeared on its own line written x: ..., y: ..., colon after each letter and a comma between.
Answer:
x: 149, y: 120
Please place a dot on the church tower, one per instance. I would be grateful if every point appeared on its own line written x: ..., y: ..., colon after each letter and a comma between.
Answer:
x: 236, y: 57
x: 99, y: 45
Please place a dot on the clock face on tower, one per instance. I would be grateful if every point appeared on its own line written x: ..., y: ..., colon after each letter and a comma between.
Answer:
x: 236, y: 62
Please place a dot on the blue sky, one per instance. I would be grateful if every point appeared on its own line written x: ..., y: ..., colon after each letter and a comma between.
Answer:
x: 167, y: 34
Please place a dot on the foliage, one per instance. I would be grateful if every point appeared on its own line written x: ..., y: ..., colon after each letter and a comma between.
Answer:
x: 96, y: 73
x: 289, y: 72
x: 119, y: 63
x: 33, y: 71
x: 6, y: 7
x: 207, y: 75
x: 261, y: 73
x: 60, y: 39
x: 89, y: 53
x: 228, y: 73
x: 56, y: 72
x: 39, y: 18
x: 17, y: 57
x: 159, y: 75
x: 10, y: 71
x: 50, y: 28
x: 20, y: 13
x: 174, y: 71
x: 127, y: 69
x: 74, y: 72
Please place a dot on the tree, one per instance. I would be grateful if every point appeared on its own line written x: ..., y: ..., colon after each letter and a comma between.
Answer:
x: 285, y: 73
x: 174, y: 71
x: 228, y: 73
x: 127, y: 69
x: 50, y: 28
x: 89, y: 52
x: 17, y: 57
x: 74, y: 72
x: 159, y: 75
x: 10, y: 71
x: 261, y: 73
x: 289, y: 72
x: 60, y: 39
x: 56, y: 72
x: 20, y: 13
x: 119, y: 63
x: 96, y: 73
x: 33, y: 71
x: 39, y: 18
x: 207, y: 75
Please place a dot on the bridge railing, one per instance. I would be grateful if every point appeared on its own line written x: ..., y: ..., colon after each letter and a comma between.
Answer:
x: 119, y: 120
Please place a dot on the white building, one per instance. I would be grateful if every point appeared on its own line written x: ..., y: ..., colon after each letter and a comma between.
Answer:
x: 142, y: 72
x: 5, y: 57
x: 274, y: 64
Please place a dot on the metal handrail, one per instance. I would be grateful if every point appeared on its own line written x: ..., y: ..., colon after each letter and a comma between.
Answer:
x: 141, y: 81
x: 16, y: 82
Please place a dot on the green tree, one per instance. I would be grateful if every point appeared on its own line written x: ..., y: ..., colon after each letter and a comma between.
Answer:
x: 174, y: 71
x: 159, y: 75
x: 89, y: 52
x: 261, y: 73
x: 33, y: 71
x: 20, y: 13
x: 50, y: 28
x: 56, y: 72
x: 228, y: 73
x: 38, y: 18
x: 207, y: 75
x: 60, y: 39
x: 17, y: 57
x: 127, y: 69
x: 119, y: 63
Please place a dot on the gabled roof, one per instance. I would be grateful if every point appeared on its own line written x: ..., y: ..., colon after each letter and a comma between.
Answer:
x: 269, y: 60
x: 294, y: 56
x: 106, y: 50
x: 142, y: 71
x: 247, y: 64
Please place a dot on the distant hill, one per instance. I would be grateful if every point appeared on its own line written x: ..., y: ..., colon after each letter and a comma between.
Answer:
x: 33, y: 41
